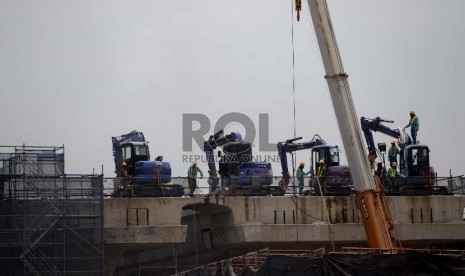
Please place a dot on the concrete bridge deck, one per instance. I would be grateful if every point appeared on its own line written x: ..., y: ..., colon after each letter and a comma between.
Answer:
x: 211, y: 226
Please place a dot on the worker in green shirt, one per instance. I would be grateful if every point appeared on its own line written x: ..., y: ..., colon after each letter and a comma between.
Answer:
x: 391, y: 175
x: 300, y: 176
x: 414, y: 125
x: 393, y: 152
x: 192, y: 177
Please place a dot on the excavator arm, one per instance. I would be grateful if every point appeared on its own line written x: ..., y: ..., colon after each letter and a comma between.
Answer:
x: 217, y: 140
x: 375, y: 125
x: 370, y: 125
x: 289, y: 146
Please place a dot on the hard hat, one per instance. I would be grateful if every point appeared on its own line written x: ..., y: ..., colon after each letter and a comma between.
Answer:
x: 222, y: 153
x: 321, y: 161
x: 393, y: 141
x: 124, y: 164
x: 302, y: 164
x: 394, y: 164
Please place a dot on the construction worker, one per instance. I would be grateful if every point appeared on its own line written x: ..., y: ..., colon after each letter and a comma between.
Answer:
x: 192, y: 177
x: 393, y: 152
x: 123, y: 172
x: 392, y: 174
x: 223, y: 168
x: 381, y: 172
x: 320, y: 174
x: 321, y: 170
x: 414, y: 125
x: 300, y: 176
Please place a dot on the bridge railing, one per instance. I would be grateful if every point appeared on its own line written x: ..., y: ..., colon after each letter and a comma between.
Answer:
x: 206, y: 185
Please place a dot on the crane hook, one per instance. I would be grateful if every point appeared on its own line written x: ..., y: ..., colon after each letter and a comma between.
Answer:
x: 298, y: 8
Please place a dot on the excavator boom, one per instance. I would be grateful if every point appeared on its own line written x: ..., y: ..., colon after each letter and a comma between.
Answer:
x: 289, y: 146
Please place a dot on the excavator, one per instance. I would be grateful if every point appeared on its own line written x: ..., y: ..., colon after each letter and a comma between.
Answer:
x: 371, y: 201
x: 241, y: 175
x: 336, y: 181
x: 414, y: 160
x: 137, y: 175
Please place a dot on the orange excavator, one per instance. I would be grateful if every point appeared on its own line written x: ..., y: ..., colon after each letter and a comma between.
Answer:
x: 371, y: 201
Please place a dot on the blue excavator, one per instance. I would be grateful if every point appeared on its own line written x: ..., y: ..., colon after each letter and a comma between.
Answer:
x: 137, y: 175
x: 414, y: 163
x: 239, y: 173
x: 336, y: 180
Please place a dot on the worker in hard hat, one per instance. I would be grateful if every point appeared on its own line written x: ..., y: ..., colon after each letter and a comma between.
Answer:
x: 300, y: 177
x: 320, y: 173
x: 122, y: 180
x: 192, y: 177
x: 414, y: 125
x: 123, y: 171
x: 391, y: 176
x: 321, y: 170
x: 393, y: 152
x: 223, y: 168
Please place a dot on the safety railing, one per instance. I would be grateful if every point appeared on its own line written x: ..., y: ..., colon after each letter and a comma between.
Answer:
x: 455, y: 184
x: 127, y: 187
x: 277, y: 186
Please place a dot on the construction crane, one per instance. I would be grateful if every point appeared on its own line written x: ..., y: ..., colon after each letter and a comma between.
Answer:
x: 378, y: 224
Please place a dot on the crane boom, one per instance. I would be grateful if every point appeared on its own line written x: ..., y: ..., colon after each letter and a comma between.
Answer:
x: 377, y: 222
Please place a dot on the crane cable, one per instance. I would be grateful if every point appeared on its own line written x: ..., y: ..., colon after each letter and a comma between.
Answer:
x: 293, y: 61
x: 325, y: 207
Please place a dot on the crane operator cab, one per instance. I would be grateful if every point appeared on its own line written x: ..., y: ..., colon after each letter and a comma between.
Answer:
x: 336, y: 179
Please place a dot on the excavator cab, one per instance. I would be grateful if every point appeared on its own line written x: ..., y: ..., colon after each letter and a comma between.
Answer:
x: 133, y: 152
x: 329, y: 154
x: 236, y: 154
x: 419, y: 175
x: 415, y: 161
x: 337, y: 179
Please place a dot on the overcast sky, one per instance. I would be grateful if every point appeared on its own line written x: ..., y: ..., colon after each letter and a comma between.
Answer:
x: 79, y: 72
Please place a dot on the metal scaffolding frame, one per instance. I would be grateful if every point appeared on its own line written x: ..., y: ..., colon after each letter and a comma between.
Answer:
x: 50, y: 223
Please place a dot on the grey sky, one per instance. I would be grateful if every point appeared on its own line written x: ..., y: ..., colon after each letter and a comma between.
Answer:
x: 78, y: 72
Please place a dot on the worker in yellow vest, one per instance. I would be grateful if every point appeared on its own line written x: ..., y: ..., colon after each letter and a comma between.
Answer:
x: 392, y: 174
x: 192, y: 177
x: 393, y: 152
x: 414, y: 125
x: 321, y: 170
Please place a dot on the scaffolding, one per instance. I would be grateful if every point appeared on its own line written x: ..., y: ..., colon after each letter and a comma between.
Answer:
x: 50, y: 223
